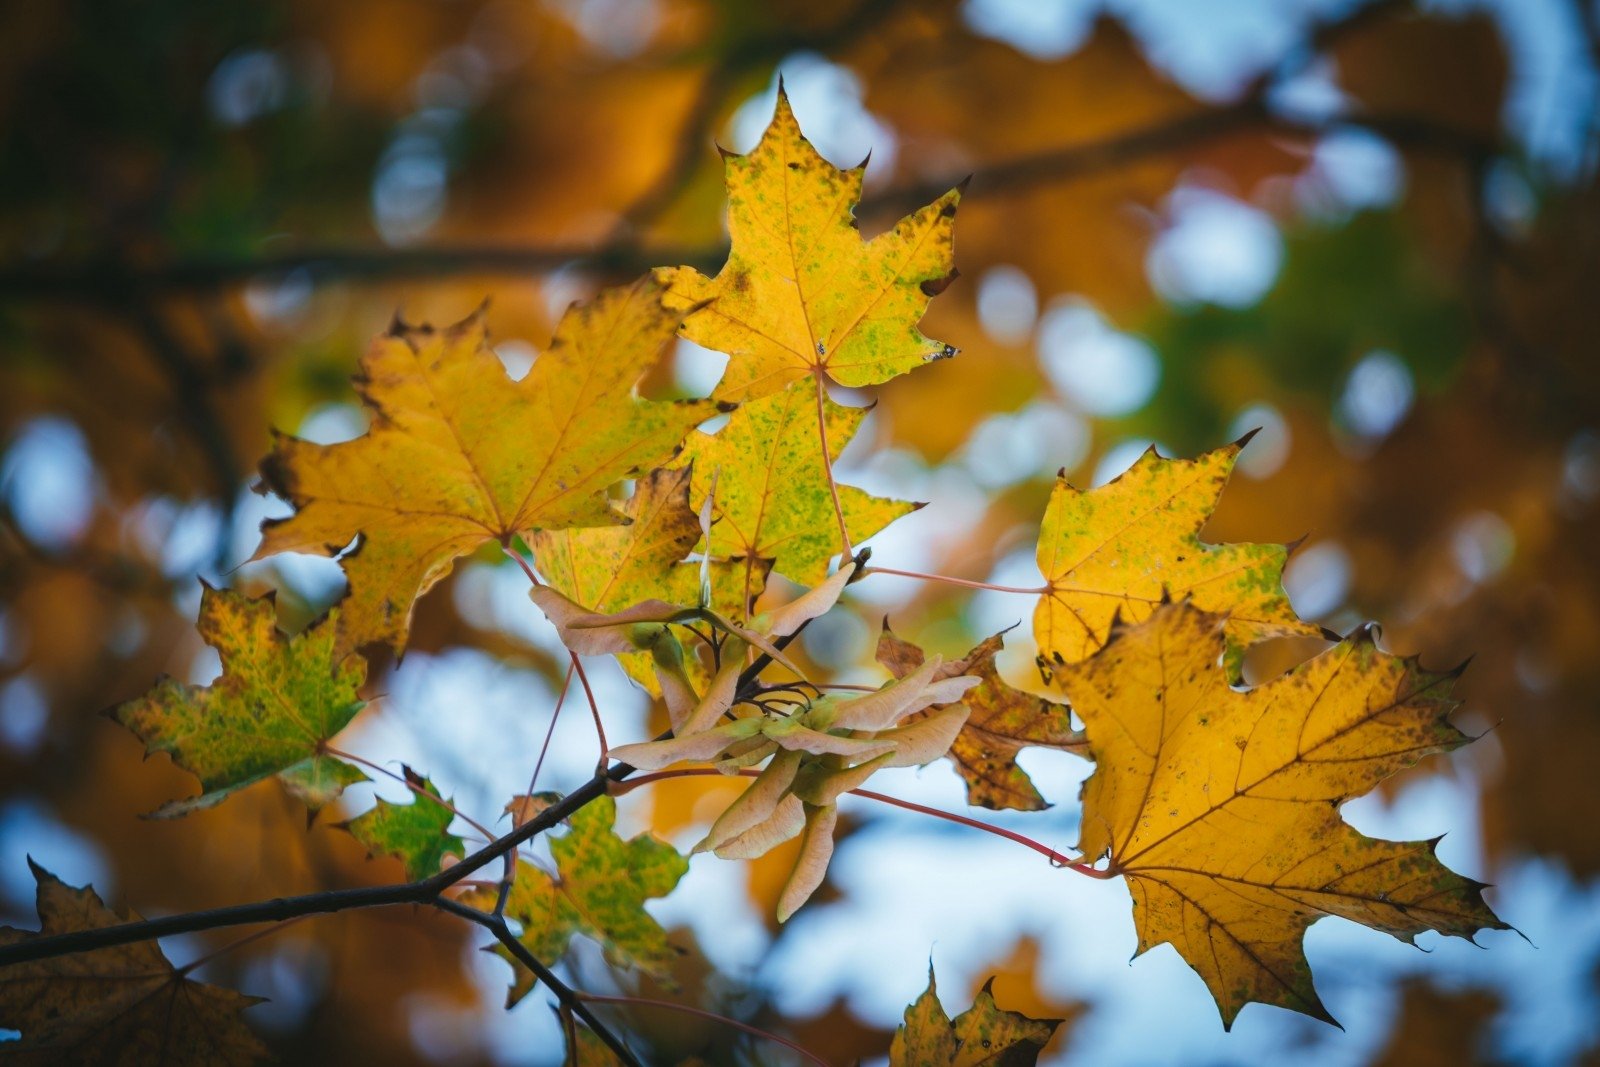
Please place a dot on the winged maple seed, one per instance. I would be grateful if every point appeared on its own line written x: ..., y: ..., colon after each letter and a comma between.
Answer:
x: 824, y: 747
x: 1004, y: 720
x: 460, y: 455
x: 802, y: 294
x: 1221, y: 807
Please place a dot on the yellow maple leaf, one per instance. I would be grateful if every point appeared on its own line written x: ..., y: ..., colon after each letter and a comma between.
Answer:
x: 1123, y: 548
x: 1221, y: 807
x: 802, y: 294
x: 611, y: 567
x: 459, y: 455
x: 983, y: 1034
x: 772, y: 498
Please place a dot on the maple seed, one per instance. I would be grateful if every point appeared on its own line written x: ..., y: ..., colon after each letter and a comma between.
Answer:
x: 1004, y: 720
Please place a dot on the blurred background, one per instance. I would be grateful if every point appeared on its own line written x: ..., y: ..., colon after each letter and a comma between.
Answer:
x: 1371, y: 230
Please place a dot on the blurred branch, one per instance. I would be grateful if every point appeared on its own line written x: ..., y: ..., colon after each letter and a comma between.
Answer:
x: 105, y: 281
x: 101, y: 282
x: 570, y: 999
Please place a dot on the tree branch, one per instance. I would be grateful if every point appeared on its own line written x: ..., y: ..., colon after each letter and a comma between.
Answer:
x: 571, y: 1000
x: 423, y: 891
x: 623, y: 257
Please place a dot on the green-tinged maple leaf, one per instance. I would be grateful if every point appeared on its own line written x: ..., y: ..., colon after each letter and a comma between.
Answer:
x: 278, y: 702
x: 609, y: 568
x: 120, y: 1005
x: 603, y: 884
x: 1221, y: 807
x: 1004, y: 720
x: 1119, y: 550
x: 417, y: 833
x: 802, y: 293
x: 981, y: 1036
x: 459, y: 455
x: 772, y: 499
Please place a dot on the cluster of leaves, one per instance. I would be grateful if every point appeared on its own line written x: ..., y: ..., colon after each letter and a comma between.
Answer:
x: 1219, y: 806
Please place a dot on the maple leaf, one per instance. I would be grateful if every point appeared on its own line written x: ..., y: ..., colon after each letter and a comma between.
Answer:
x: 1125, y: 546
x: 802, y: 294
x: 610, y: 567
x: 416, y: 833
x: 601, y: 893
x: 1221, y: 807
x: 279, y: 700
x: 981, y: 1035
x: 1004, y: 720
x: 125, y: 1004
x: 772, y: 498
x: 459, y: 455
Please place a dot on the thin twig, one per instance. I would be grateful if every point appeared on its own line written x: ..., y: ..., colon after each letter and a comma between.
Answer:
x: 1056, y: 858
x: 594, y: 708
x: 423, y: 891
x: 496, y: 925
x: 555, y: 716
x: 239, y: 942
x: 965, y: 583
x: 103, y: 282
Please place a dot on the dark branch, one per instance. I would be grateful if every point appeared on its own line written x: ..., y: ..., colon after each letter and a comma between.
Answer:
x: 624, y: 257
x: 564, y: 993
x: 425, y: 891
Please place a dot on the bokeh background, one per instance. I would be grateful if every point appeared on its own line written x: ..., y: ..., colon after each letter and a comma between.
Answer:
x: 1371, y: 230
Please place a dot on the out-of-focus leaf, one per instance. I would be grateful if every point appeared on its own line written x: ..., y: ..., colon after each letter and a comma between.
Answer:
x: 982, y: 1036
x: 279, y: 700
x: 120, y: 1005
